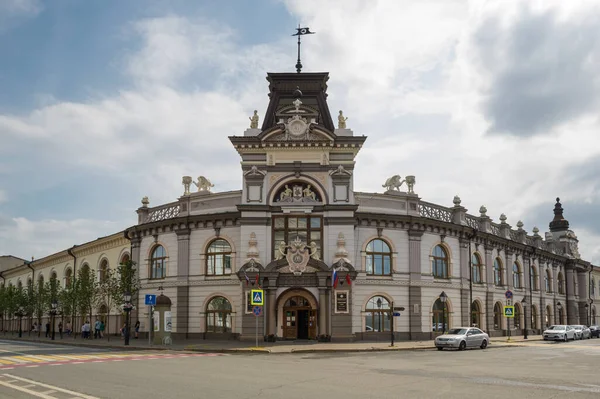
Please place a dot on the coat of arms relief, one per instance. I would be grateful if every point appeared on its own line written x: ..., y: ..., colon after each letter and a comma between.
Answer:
x: 297, y: 254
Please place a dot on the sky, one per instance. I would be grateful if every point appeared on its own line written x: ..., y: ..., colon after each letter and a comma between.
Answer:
x: 103, y: 102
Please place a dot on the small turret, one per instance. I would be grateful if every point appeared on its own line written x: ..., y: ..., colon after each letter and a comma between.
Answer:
x: 559, y: 223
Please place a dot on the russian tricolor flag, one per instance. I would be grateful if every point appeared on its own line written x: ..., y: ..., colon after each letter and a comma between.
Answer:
x: 334, y: 278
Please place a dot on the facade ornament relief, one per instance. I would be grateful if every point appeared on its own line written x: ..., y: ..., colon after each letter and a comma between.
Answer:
x: 393, y: 183
x: 254, y: 120
x: 297, y: 193
x: 203, y: 184
x: 342, y: 120
x: 252, y: 253
x: 340, y: 171
x: 410, y: 183
x: 254, y: 171
x: 187, y: 182
x: 341, y: 253
x: 297, y: 254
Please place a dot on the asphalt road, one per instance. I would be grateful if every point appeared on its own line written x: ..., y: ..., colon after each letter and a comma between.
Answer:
x: 538, y: 370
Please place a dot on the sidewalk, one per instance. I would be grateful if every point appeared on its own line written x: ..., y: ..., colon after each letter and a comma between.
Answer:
x: 264, y: 347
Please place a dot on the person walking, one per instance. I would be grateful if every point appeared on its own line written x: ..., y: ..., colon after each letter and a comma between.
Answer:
x: 97, y: 329
x: 60, y: 328
x: 68, y: 329
x: 137, y: 329
x: 102, y: 326
x: 47, y: 329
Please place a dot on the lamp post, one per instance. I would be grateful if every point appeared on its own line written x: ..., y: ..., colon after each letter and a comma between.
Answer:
x: 127, y: 308
x: 443, y: 298
x: 54, y: 306
x: 20, y: 313
x: 559, y: 307
x: 524, y: 303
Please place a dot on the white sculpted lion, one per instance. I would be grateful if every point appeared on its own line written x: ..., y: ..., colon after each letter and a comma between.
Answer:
x: 393, y: 183
x: 203, y: 184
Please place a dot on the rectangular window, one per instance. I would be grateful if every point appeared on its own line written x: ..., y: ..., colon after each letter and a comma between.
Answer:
x: 289, y: 228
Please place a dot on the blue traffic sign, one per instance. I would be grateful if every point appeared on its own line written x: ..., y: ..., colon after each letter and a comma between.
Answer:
x: 257, y: 310
x: 257, y: 297
x: 396, y: 314
x: 508, y: 294
x: 150, y: 300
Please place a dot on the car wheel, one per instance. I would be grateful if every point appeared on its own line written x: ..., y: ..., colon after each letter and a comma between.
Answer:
x: 439, y: 348
x: 566, y: 338
x: 484, y: 344
x: 462, y: 346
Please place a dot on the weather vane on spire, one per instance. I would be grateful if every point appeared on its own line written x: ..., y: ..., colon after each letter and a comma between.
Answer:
x: 300, y: 32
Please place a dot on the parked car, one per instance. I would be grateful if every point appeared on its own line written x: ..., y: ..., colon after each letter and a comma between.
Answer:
x: 595, y: 331
x: 559, y: 333
x: 581, y: 332
x: 462, y: 338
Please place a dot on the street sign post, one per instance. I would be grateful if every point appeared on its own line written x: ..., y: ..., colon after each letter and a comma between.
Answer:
x: 257, y: 297
x: 150, y: 300
x: 257, y: 310
x: 509, y: 311
x: 508, y: 294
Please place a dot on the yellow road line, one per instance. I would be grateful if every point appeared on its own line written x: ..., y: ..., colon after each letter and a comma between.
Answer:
x: 6, y: 361
x: 28, y: 359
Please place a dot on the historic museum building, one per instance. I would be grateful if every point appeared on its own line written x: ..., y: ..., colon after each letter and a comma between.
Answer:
x: 333, y: 262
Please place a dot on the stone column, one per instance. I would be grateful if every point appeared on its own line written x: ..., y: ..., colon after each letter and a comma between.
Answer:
x: 414, y: 291
x: 322, y: 311
x: 508, y: 265
x: 271, y: 311
x: 554, y: 280
x: 489, y: 299
x: 571, y: 305
x: 181, y: 321
x: 465, y: 304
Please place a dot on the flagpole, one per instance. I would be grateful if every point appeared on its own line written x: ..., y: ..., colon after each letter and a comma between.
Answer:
x: 298, y: 63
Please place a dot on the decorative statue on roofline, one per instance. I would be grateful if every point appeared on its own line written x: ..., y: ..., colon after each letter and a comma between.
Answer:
x: 203, y: 184
x: 342, y: 120
x: 254, y: 120
x: 393, y: 183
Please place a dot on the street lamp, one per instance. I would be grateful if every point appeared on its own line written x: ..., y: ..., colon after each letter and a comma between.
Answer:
x: 443, y: 298
x: 20, y: 313
x: 524, y: 303
x: 127, y: 308
x: 54, y: 306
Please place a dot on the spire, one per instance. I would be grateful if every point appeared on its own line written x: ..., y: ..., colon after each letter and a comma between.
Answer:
x: 559, y: 223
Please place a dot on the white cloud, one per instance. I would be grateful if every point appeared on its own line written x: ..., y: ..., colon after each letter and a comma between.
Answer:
x: 14, y: 11
x: 406, y: 74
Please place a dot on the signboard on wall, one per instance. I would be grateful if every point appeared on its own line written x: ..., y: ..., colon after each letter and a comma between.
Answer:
x: 341, y: 301
x: 156, y: 320
x: 168, y: 324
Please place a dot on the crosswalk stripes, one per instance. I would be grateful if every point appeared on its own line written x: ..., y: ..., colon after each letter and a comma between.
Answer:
x: 9, y: 362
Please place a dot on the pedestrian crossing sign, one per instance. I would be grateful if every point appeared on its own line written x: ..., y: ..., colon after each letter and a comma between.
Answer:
x: 509, y: 311
x: 257, y: 297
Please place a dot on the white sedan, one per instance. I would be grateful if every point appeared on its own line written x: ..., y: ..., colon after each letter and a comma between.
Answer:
x: 559, y: 333
x: 463, y: 338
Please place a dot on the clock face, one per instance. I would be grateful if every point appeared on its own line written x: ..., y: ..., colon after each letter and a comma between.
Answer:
x: 296, y: 128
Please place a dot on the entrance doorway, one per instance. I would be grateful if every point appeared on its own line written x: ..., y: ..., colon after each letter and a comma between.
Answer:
x: 300, y: 320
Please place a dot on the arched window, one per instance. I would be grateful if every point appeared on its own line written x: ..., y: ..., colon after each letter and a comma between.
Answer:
x: 158, y: 262
x: 498, y: 316
x: 561, y: 283
x: 29, y: 283
x: 517, y: 315
x: 218, y: 315
x: 548, y: 281
x: 516, y: 276
x: 103, y: 271
x: 19, y: 285
x: 377, y: 315
x: 561, y: 316
x: 439, y: 263
x: 593, y: 288
x: 475, y: 315
x: 379, y: 258
x: 439, y: 316
x: 41, y: 281
x: 498, y: 272
x: 476, y: 265
x: 594, y: 321
x: 533, y: 317
x: 124, y: 259
x: 533, y: 277
x: 68, y: 278
x: 218, y: 258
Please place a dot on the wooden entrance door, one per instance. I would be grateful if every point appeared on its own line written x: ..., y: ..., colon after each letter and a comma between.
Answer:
x: 292, y: 319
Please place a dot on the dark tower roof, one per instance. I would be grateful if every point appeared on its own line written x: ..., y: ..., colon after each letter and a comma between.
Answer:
x: 559, y: 223
x: 283, y: 90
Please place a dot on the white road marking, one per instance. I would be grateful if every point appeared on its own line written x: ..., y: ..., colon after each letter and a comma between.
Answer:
x: 40, y: 384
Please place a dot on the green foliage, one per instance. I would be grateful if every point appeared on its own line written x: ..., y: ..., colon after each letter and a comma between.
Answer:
x: 128, y: 282
x: 86, y: 291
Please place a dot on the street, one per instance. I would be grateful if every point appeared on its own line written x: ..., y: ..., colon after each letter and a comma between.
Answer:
x: 536, y: 370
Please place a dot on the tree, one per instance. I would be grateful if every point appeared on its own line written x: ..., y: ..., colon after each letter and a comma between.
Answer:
x: 108, y: 290
x: 86, y: 292
x: 2, y: 305
x: 29, y: 307
x: 65, y: 301
x: 11, y: 303
x: 127, y: 281
x: 40, y: 308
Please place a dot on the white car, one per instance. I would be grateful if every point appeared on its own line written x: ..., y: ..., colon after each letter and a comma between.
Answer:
x: 462, y: 338
x: 559, y: 333
x: 582, y: 332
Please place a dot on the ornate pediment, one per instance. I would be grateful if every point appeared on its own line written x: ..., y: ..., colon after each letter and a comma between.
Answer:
x: 297, y: 192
